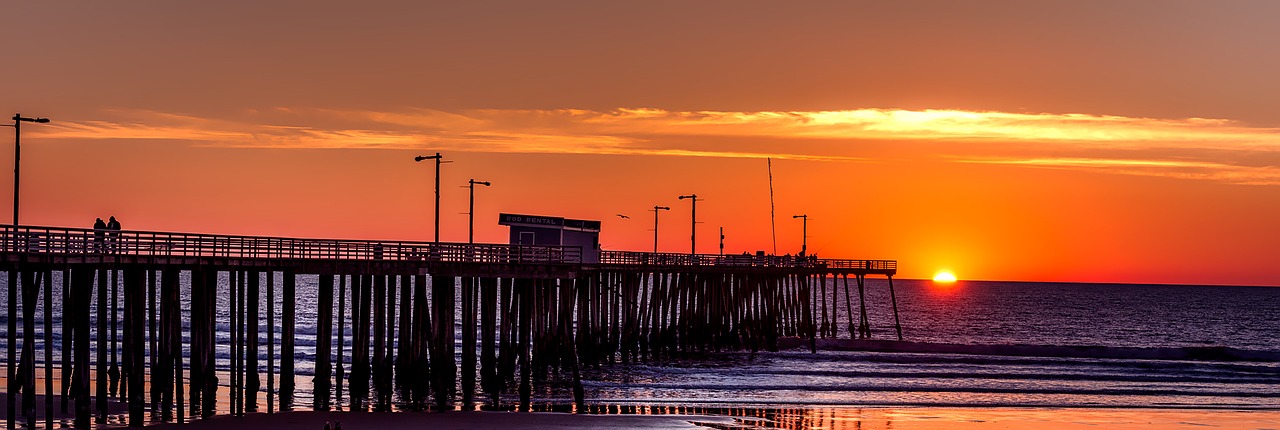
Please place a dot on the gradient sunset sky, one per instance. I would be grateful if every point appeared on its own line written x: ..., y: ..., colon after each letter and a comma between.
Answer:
x: 1093, y: 141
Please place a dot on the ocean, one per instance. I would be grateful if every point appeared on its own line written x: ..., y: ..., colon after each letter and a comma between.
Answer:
x: 1130, y: 346
x: 1118, y: 321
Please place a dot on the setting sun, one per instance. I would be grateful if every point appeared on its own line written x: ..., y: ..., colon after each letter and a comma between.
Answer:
x: 944, y: 277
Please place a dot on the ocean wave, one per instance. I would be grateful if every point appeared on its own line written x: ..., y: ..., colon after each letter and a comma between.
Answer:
x: 1191, y: 353
x: 926, y: 388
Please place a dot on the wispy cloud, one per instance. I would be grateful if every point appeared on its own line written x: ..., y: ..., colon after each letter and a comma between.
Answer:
x: 1199, y: 170
x: 642, y: 131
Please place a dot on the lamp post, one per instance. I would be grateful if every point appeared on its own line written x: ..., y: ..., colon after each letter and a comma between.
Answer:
x: 804, y: 240
x: 655, y: 225
x: 436, y: 157
x: 471, y: 209
x: 18, y: 119
x: 693, y: 230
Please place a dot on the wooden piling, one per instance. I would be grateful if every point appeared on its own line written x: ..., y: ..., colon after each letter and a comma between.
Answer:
x: 271, y: 341
x: 405, y: 340
x: 339, y: 373
x: 361, y: 299
x: 388, y: 359
x: 524, y: 332
x: 897, y: 323
x: 253, y: 382
x: 507, y: 331
x: 233, y: 333
x: 198, y: 308
x: 468, y: 340
x: 30, y: 290
x: 848, y: 305
x: 864, y: 326
x: 80, y: 296
x: 135, y: 342
x: 324, y: 343
x: 101, y: 374
x: 171, y: 344
x: 288, y: 317
x: 113, y: 372
x: 48, y: 347
x: 442, y: 361
x: 418, y: 375
x: 153, y: 334
x: 11, y: 368
x: 379, y: 340
x: 69, y: 316
x: 209, y: 396
x: 488, y: 338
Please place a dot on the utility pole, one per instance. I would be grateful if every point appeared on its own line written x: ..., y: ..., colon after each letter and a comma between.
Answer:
x: 655, y: 225
x: 471, y: 210
x: 693, y: 230
x: 438, y: 158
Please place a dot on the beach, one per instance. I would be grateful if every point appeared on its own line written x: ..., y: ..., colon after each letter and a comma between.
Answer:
x: 903, y: 418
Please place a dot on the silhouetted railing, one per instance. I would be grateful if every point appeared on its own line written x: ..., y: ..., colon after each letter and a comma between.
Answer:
x: 742, y: 260
x: 57, y: 240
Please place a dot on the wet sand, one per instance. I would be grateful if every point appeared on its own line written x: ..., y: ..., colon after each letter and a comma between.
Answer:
x: 450, y: 420
x: 900, y: 418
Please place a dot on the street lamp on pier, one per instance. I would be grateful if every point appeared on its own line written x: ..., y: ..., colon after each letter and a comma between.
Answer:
x: 655, y: 225
x: 471, y: 209
x: 18, y: 119
x: 693, y: 230
x: 438, y: 158
x: 804, y: 239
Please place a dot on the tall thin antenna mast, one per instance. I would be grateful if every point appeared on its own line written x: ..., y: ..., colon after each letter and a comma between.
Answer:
x: 773, y: 224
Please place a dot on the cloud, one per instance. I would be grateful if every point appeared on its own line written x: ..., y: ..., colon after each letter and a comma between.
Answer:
x: 1201, y: 170
x: 1039, y: 137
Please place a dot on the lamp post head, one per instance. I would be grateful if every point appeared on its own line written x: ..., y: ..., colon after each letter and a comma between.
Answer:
x: 19, y: 117
x: 661, y: 208
x: 474, y: 182
x: 800, y: 216
x: 691, y: 196
x: 427, y: 157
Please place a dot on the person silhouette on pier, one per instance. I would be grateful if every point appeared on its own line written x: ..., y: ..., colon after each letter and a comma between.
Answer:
x: 113, y: 236
x: 99, y: 230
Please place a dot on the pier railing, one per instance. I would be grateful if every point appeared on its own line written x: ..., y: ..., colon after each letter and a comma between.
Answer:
x: 58, y: 240
x: 631, y: 258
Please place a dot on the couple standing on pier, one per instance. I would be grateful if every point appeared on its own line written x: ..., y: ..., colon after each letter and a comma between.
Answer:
x: 100, y: 229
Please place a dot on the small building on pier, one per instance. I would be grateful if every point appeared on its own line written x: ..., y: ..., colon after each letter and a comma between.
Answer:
x: 553, y: 231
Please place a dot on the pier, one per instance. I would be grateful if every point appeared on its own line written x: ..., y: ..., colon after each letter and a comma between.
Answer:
x: 520, y: 314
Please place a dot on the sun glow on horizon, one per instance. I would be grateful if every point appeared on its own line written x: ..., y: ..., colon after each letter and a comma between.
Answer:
x: 944, y: 276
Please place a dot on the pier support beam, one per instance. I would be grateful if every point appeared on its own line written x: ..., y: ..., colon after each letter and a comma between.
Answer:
x: 288, y: 317
x: 253, y: 381
x: 897, y: 323
x: 488, y: 339
x: 324, y: 343
x: 134, y: 343
x: 468, y: 340
x: 100, y: 399
x: 442, y: 365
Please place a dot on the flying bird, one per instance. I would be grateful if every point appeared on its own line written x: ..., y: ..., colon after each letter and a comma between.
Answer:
x: 623, y: 216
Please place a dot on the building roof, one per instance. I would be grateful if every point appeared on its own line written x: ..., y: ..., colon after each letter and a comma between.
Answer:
x: 548, y: 222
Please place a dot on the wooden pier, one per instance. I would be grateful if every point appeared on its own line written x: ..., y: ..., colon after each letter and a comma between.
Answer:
x: 527, y: 313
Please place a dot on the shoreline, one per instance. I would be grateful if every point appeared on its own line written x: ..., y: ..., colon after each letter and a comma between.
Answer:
x: 777, y: 416
x: 877, y: 417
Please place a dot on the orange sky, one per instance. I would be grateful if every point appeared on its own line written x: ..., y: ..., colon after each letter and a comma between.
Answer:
x: 1048, y: 141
